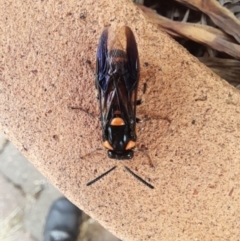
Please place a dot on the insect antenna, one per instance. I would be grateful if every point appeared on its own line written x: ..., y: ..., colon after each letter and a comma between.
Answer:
x: 139, y: 178
x: 101, y: 176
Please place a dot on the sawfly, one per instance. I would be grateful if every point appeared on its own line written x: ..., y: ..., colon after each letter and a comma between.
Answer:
x: 117, y: 76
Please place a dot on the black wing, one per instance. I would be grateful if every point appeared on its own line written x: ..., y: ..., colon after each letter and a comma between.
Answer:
x: 133, y: 62
x: 117, y: 75
x: 101, y: 62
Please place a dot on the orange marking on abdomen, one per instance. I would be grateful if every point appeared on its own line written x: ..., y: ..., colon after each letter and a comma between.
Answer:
x: 130, y: 145
x: 117, y: 121
x: 118, y: 59
x: 107, y: 145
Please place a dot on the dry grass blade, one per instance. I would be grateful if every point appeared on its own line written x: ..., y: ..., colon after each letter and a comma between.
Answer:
x: 220, y: 15
x: 199, y: 33
x: 10, y: 225
x: 228, y: 69
x: 232, y: 5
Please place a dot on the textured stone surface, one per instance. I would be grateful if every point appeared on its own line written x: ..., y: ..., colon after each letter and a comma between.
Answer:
x: 25, y: 193
x: 30, y: 192
x: 3, y: 141
x: 20, y: 171
x: 190, y: 125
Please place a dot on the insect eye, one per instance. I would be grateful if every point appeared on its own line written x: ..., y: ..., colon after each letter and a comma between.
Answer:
x: 107, y: 145
x: 130, y: 145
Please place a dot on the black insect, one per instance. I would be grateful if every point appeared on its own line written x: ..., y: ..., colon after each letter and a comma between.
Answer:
x: 117, y: 74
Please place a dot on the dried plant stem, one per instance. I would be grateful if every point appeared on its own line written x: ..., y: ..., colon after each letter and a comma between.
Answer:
x: 220, y: 15
x: 206, y: 35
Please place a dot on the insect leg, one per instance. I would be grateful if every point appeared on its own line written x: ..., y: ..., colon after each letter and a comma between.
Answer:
x: 149, y: 158
x: 139, y: 102
x: 138, y: 120
x: 97, y: 149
